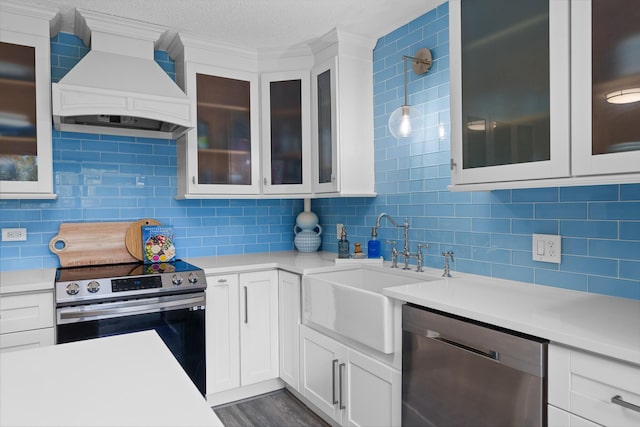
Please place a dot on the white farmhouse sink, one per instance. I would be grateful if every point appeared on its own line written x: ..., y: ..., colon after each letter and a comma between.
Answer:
x: 351, y: 303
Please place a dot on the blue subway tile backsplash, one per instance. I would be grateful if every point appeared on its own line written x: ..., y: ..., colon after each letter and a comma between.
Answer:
x: 117, y: 178
x: 113, y: 178
x: 489, y: 232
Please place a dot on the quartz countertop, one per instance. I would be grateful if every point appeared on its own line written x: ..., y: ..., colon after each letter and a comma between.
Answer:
x: 598, y: 323
x: 123, y: 380
x: 606, y: 325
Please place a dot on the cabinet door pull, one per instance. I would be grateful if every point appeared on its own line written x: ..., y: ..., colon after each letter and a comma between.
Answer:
x: 246, y: 303
x: 333, y: 382
x: 341, y: 370
x: 617, y: 399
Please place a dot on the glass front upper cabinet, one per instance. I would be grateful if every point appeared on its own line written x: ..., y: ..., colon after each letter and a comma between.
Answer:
x: 222, y: 153
x: 25, y: 112
x: 509, y: 90
x: 325, y: 126
x: 606, y: 86
x: 285, y: 124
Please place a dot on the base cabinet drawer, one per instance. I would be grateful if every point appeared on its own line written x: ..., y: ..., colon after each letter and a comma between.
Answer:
x: 559, y: 418
x: 597, y: 388
x: 27, y: 339
x: 26, y: 312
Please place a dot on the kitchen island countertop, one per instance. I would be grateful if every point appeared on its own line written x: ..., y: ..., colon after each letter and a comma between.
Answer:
x: 123, y: 380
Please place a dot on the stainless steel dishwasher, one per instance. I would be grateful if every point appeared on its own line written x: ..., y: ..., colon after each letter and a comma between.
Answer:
x: 458, y: 372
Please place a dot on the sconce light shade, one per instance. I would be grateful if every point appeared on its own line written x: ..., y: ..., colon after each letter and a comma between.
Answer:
x: 624, y: 96
x: 405, y: 120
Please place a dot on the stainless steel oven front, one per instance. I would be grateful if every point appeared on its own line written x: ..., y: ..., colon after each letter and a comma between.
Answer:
x: 171, y: 302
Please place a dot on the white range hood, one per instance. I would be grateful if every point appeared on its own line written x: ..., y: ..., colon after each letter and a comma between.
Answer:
x: 118, y: 88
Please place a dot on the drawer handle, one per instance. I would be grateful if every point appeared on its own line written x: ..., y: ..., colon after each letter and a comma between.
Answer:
x: 617, y: 399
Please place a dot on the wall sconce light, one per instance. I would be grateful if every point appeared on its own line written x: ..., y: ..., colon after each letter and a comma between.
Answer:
x: 405, y: 118
x: 624, y: 96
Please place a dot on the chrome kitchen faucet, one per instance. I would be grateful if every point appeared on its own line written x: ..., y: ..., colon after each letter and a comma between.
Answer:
x: 406, y: 254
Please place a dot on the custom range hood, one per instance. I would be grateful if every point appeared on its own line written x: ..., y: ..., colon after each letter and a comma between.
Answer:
x: 118, y: 88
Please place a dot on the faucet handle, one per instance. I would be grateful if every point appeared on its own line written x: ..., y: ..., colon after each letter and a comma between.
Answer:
x: 392, y: 243
x: 423, y: 245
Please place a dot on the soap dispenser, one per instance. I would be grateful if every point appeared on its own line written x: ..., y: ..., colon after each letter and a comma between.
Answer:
x: 373, y: 245
x: 343, y: 244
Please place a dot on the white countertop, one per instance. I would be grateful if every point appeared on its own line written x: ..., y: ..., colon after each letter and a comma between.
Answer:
x: 124, y: 380
x: 597, y: 323
x: 27, y: 280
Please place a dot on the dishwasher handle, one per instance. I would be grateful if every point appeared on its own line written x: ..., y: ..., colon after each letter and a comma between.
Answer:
x: 491, y: 354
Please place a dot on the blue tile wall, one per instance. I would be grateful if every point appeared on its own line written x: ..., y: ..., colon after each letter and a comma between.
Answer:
x: 108, y: 178
x: 113, y: 178
x: 490, y: 232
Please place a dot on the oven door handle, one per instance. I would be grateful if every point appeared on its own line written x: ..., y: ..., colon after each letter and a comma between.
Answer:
x: 127, y: 308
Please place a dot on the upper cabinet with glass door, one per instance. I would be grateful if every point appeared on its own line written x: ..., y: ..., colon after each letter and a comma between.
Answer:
x: 221, y: 156
x: 286, y: 135
x: 605, y: 44
x: 509, y: 90
x: 342, y: 116
x: 25, y: 105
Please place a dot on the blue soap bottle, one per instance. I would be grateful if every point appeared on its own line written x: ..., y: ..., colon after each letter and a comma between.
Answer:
x: 373, y: 245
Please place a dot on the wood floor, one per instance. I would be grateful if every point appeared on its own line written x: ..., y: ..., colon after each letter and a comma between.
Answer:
x: 276, y: 409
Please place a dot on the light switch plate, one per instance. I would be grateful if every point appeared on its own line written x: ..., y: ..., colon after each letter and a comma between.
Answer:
x: 546, y: 247
x: 339, y: 231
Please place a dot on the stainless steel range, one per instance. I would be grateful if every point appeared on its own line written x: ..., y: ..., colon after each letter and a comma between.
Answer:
x: 96, y: 301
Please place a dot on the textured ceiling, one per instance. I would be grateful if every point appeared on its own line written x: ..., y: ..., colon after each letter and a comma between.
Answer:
x: 257, y: 23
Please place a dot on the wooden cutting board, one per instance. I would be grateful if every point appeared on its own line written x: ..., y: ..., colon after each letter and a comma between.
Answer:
x: 133, y: 237
x: 91, y: 243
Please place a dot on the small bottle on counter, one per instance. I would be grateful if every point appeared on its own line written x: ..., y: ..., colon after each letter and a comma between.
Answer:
x: 343, y: 244
x: 373, y: 245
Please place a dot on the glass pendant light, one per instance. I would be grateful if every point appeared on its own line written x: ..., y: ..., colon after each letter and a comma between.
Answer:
x: 406, y: 119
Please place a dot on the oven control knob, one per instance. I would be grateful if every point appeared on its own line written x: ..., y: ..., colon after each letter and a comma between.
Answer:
x: 93, y: 286
x: 73, y: 288
x: 176, y: 280
x: 193, y: 279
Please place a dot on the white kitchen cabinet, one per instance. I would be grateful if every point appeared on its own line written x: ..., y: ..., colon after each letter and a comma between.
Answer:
x: 342, y: 115
x: 593, y: 387
x: 26, y: 163
x: 306, y: 132
x: 27, y: 339
x: 289, y: 327
x: 223, y: 333
x: 604, y: 59
x: 221, y: 156
x: 559, y: 418
x: 509, y: 91
x: 26, y: 320
x: 258, y: 327
x: 242, y: 330
x: 348, y: 386
x: 373, y: 393
x: 286, y: 137
x: 587, y: 49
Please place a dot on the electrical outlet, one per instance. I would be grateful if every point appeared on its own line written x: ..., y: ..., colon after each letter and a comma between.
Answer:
x: 339, y: 230
x: 14, y: 234
x: 546, y: 248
